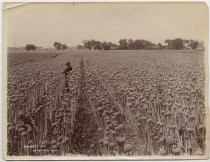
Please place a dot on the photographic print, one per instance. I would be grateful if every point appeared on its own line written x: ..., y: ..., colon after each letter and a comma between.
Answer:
x: 92, y: 81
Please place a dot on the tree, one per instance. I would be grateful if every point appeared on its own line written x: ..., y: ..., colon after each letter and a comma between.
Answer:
x: 98, y: 45
x: 186, y: 43
x: 169, y: 43
x: 106, y: 46
x: 60, y: 46
x: 30, y: 47
x: 88, y: 44
x: 92, y: 43
x: 57, y: 45
x: 138, y: 44
x: 148, y: 44
x: 178, y: 44
x: 85, y: 43
x: 193, y: 44
x: 123, y: 44
x: 113, y: 46
x: 64, y: 46
x: 160, y: 46
x: 79, y: 46
x: 34, y: 47
x: 131, y: 44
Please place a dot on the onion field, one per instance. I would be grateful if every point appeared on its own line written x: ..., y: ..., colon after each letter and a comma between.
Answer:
x: 120, y: 102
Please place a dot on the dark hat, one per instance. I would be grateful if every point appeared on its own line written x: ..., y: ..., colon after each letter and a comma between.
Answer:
x: 68, y: 63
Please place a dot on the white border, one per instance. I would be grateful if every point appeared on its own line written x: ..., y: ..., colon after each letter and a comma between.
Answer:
x: 206, y: 1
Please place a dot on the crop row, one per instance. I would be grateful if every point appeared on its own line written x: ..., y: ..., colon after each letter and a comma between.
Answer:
x: 40, y: 111
x: 162, y: 102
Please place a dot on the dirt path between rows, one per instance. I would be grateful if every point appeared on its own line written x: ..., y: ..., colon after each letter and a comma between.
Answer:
x: 85, y: 137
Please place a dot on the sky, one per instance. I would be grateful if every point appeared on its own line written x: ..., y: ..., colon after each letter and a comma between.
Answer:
x: 44, y: 23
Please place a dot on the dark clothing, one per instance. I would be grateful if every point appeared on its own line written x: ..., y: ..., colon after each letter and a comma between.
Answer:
x: 65, y: 71
x: 68, y: 68
x: 66, y: 86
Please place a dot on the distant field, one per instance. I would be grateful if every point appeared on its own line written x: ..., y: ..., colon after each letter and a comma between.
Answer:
x: 15, y: 57
x: 18, y: 56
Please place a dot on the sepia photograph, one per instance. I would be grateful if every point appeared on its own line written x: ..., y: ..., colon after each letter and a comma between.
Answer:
x: 105, y: 81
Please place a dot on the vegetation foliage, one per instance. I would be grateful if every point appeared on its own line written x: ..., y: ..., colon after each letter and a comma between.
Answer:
x: 130, y: 44
x: 60, y: 46
x: 30, y: 47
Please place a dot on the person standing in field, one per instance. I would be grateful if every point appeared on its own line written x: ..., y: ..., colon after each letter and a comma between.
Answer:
x: 66, y: 72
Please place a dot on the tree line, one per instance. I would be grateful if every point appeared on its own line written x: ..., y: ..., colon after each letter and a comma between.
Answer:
x: 56, y: 45
x: 130, y: 44
x: 92, y: 44
x: 181, y: 43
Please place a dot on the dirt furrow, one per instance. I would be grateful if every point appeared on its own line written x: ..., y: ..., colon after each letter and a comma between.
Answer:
x: 85, y: 137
